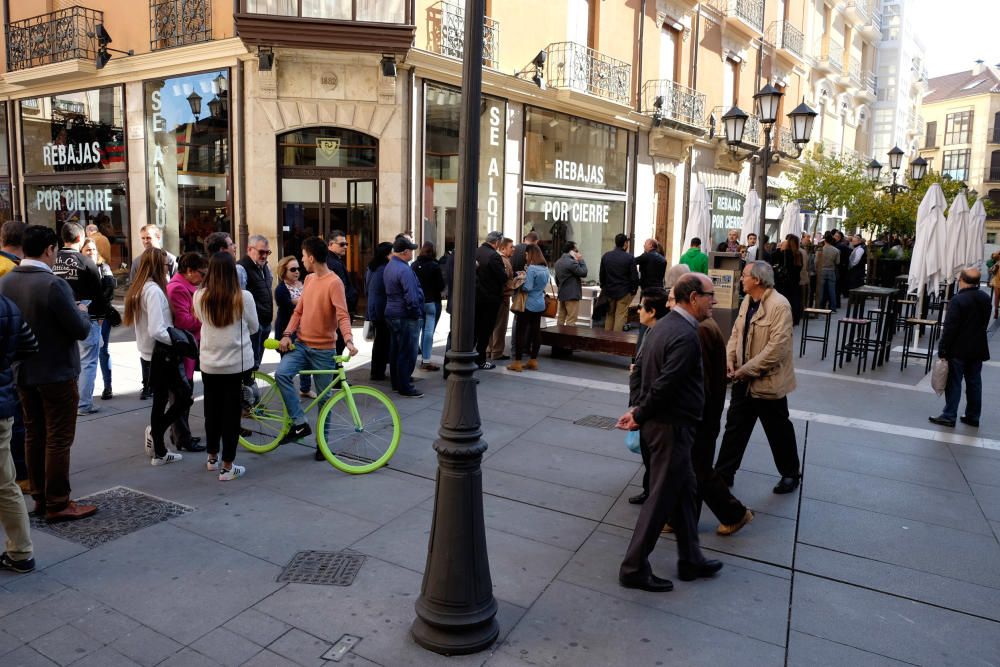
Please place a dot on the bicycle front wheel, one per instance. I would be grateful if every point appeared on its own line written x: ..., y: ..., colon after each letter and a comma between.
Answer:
x: 264, y: 424
x: 364, y: 446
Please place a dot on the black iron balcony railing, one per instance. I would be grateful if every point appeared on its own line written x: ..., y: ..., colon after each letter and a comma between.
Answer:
x: 750, y: 11
x: 871, y: 83
x: 452, y: 42
x: 673, y: 101
x: 577, y: 67
x: 791, y: 38
x: 854, y: 71
x: 833, y: 58
x: 67, y: 34
x: 783, y: 142
x: 179, y: 22
x: 343, y: 10
x: 992, y: 175
x: 751, y: 131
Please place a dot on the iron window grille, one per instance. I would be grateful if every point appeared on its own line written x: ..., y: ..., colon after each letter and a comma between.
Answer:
x: 578, y: 67
x: 453, y: 35
x: 680, y: 103
x: 67, y: 34
x: 179, y: 22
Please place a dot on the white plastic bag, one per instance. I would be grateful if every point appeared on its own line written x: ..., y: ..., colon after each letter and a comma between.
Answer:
x: 939, y: 376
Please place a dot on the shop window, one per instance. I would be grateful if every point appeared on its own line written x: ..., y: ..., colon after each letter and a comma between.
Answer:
x: 74, y: 132
x: 590, y: 223
x: 188, y: 158
x: 328, y: 147
x: 955, y: 164
x: 101, y: 204
x: 443, y: 107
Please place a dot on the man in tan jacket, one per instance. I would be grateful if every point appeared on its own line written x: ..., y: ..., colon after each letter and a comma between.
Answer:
x: 759, y: 362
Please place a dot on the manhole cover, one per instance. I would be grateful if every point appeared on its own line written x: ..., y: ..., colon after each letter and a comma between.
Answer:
x: 327, y: 568
x: 597, y: 421
x: 120, y: 511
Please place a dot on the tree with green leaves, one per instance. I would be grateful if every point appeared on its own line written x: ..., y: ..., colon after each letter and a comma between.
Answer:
x: 828, y: 181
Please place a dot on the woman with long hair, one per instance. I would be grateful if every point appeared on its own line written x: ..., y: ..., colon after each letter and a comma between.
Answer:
x: 527, y: 325
x: 147, y: 309
x: 286, y: 295
x: 428, y: 272
x: 228, y: 320
x: 89, y: 249
x: 375, y: 312
x: 787, y: 262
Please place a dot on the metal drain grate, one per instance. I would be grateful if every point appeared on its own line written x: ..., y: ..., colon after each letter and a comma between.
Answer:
x: 120, y: 511
x: 325, y: 568
x: 597, y: 421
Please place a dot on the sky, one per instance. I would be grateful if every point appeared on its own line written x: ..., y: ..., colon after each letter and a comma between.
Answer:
x: 956, y: 38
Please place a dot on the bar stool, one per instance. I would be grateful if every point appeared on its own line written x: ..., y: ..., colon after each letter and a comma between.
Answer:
x: 818, y: 312
x: 905, y: 309
x: 909, y: 329
x: 853, y: 334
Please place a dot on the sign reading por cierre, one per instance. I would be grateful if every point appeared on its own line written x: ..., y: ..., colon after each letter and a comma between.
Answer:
x: 83, y: 198
x: 727, y: 212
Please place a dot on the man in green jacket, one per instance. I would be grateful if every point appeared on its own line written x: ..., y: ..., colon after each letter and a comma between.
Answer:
x: 694, y: 258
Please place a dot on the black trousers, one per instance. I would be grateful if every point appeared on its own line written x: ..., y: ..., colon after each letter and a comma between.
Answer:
x: 380, y: 350
x: 744, y: 411
x: 170, y: 385
x: 486, y: 319
x: 671, y: 494
x: 527, y: 335
x: 144, y: 369
x: 222, y: 413
x: 712, y: 489
x: 644, y: 451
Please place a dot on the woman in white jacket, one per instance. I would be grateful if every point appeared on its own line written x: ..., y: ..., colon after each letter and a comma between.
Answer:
x: 147, y: 309
x: 228, y: 318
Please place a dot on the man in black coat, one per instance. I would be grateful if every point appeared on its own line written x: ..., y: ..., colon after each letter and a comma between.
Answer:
x: 491, y: 276
x: 651, y: 264
x: 619, y: 283
x: 336, y: 261
x: 259, y: 285
x: 669, y: 409
x: 517, y: 261
x: 963, y: 344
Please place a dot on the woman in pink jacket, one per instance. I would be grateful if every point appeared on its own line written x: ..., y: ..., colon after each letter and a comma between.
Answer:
x: 191, y: 269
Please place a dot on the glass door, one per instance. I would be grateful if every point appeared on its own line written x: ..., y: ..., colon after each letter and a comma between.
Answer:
x: 302, y: 213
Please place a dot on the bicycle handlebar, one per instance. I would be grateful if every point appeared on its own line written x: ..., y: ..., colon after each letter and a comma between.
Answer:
x: 272, y: 344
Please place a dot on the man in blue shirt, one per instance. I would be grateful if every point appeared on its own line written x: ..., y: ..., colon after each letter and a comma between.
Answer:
x: 403, y: 308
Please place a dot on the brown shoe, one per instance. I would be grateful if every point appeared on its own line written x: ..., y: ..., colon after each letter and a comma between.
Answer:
x: 515, y: 366
x: 667, y: 529
x: 71, y: 512
x: 729, y: 529
x: 532, y: 365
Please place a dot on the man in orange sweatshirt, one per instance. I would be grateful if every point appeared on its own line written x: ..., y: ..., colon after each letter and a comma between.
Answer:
x: 321, y: 310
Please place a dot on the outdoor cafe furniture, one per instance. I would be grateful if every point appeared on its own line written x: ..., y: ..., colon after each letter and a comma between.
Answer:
x: 853, y: 339
x: 807, y: 314
x: 884, y: 314
x: 911, y: 352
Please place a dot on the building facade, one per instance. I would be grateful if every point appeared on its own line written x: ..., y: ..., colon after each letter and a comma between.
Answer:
x: 961, y: 137
x: 902, y: 82
x: 289, y: 118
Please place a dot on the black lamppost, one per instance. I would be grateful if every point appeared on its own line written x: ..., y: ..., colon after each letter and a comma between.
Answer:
x: 194, y: 101
x: 918, y: 169
x: 767, y: 101
x: 456, y: 610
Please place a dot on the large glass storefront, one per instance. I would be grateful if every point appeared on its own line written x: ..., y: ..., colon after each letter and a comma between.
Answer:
x: 440, y: 200
x: 575, y: 183
x: 188, y: 158
x: 75, y: 164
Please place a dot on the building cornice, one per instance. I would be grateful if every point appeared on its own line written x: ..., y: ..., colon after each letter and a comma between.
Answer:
x: 78, y: 74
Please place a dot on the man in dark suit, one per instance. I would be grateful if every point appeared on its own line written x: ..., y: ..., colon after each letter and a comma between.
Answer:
x: 619, y: 282
x: 259, y: 281
x: 336, y: 261
x: 517, y: 261
x: 963, y: 344
x: 668, y: 411
x: 651, y: 264
x: 491, y: 276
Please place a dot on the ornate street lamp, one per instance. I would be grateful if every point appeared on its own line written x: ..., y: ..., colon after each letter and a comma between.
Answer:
x: 918, y: 169
x: 874, y: 170
x: 767, y: 102
x: 456, y: 610
x: 221, y: 84
x: 194, y: 101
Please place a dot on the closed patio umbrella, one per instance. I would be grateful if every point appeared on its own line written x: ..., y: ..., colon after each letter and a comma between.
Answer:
x: 956, y: 232
x: 751, y: 217
x: 977, y: 230
x: 926, y: 261
x: 791, y: 221
x: 700, y: 219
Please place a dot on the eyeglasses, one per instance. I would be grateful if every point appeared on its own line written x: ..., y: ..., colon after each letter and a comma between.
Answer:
x: 343, y: 244
x: 293, y: 268
x: 711, y: 293
x: 265, y: 253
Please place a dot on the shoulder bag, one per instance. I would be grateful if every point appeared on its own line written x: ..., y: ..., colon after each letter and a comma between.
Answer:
x: 551, y: 302
x: 518, y: 301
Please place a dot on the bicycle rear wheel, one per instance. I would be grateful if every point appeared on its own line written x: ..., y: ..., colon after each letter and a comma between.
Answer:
x: 364, y: 447
x: 263, y: 425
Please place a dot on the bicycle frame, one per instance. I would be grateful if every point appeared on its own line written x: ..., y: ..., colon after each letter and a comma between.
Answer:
x: 340, y: 374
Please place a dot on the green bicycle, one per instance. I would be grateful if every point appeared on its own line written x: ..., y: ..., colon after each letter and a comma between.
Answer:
x: 357, y: 428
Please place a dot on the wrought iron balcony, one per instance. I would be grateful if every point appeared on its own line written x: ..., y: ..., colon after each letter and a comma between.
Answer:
x: 750, y: 12
x: 577, y: 67
x: 53, y: 38
x: 669, y: 101
x: 871, y: 83
x: 993, y: 137
x: 751, y: 131
x: 832, y: 58
x: 451, y: 41
x: 854, y: 71
x: 789, y: 37
x: 179, y: 22
x: 783, y: 142
x: 992, y: 175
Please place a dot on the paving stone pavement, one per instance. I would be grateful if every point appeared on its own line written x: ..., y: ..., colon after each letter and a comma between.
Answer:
x: 888, y: 554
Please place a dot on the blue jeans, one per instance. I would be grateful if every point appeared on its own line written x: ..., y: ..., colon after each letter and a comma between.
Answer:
x: 828, y: 290
x: 90, y: 349
x: 302, y: 358
x: 427, y: 325
x: 105, y: 356
x: 972, y: 372
x: 403, y: 353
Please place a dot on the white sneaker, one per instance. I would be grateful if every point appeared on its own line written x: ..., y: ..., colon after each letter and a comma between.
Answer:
x: 149, y: 441
x: 169, y: 457
x: 232, y: 473
x: 212, y: 464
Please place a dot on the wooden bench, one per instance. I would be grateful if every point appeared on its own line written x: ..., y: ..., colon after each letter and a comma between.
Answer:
x: 588, y: 339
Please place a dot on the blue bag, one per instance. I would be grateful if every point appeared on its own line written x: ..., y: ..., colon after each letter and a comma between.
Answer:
x: 632, y: 441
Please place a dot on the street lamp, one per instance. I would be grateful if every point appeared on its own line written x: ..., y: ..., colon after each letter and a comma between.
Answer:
x: 918, y: 169
x: 767, y: 102
x: 194, y: 101
x: 456, y: 610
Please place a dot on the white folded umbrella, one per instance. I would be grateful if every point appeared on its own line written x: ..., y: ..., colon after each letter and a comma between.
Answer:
x: 977, y: 230
x: 791, y: 220
x: 929, y: 247
x: 699, y: 218
x: 751, y: 217
x: 956, y: 233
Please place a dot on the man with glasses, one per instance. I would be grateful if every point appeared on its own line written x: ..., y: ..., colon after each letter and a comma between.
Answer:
x: 336, y: 261
x: 259, y: 285
x: 223, y: 242
x: 667, y: 413
x: 759, y: 363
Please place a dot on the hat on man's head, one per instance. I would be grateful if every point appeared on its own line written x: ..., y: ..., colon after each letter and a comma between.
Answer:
x: 402, y: 244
